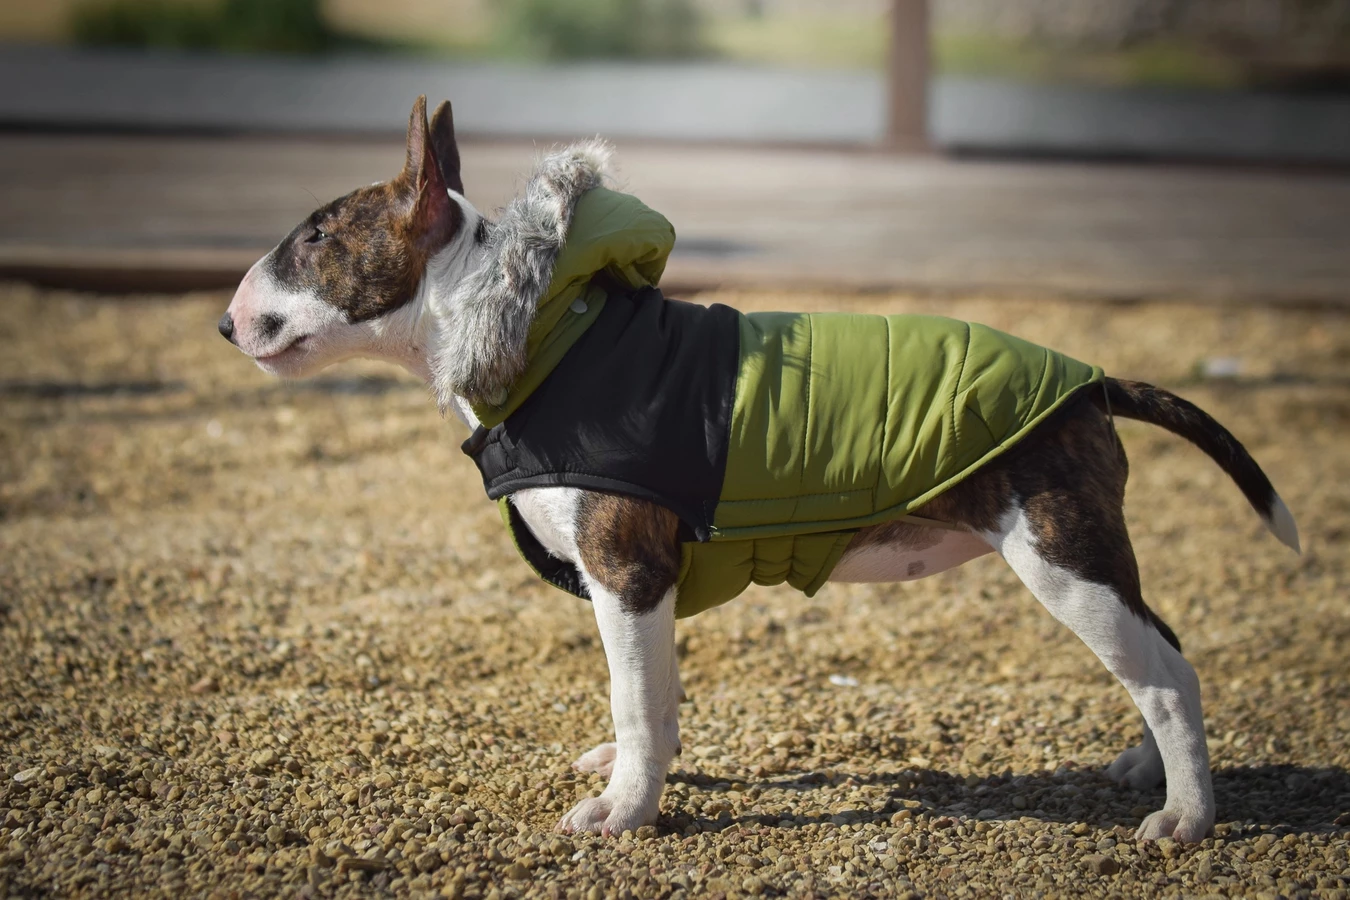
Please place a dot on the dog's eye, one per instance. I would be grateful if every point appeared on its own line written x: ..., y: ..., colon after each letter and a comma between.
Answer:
x: 318, y: 235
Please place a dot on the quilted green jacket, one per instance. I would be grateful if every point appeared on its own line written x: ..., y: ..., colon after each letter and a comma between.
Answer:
x: 774, y: 436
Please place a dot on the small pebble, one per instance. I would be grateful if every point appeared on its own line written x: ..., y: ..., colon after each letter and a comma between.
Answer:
x: 205, y: 685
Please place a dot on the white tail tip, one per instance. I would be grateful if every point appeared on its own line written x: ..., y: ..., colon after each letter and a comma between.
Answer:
x: 1281, y: 524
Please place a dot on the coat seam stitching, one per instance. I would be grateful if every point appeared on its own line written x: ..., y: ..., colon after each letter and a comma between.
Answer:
x: 960, y: 374
x: 885, y: 418
x: 806, y: 425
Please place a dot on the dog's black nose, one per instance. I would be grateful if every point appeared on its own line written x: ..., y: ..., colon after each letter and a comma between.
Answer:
x: 226, y: 326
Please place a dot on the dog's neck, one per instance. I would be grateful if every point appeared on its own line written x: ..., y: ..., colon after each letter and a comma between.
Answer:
x: 405, y: 336
x: 467, y: 331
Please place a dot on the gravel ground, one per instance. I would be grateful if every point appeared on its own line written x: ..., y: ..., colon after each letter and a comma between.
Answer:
x: 270, y: 640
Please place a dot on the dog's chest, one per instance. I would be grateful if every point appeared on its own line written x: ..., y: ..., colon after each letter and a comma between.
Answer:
x: 551, y: 514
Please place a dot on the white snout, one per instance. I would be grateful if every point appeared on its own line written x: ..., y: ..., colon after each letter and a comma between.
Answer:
x: 279, y: 326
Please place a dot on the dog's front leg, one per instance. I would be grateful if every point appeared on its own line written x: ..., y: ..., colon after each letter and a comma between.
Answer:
x: 644, y: 699
x: 600, y: 758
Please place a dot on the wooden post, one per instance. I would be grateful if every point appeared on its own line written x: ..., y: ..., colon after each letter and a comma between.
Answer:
x: 907, y: 67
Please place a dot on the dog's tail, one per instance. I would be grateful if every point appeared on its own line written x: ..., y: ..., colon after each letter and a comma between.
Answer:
x: 1136, y: 400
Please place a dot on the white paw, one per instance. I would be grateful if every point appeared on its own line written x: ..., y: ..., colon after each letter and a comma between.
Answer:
x: 1140, y: 768
x: 1179, y: 826
x: 599, y: 760
x: 607, y: 816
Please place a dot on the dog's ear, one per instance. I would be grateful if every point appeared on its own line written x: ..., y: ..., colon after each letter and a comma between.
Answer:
x: 444, y: 146
x: 434, y: 215
x: 418, y: 142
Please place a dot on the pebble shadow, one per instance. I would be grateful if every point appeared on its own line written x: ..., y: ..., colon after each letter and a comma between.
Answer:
x: 1298, y: 798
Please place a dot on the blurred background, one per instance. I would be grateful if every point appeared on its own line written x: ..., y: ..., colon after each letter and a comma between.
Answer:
x: 242, y: 112
x: 1158, y: 77
x: 217, y: 585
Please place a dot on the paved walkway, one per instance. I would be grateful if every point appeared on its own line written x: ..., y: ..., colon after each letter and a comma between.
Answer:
x: 146, y: 212
x: 704, y: 101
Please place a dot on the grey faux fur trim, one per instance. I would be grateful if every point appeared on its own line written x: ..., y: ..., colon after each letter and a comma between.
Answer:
x: 479, y: 348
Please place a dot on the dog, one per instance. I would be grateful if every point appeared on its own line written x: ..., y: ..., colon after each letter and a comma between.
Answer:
x: 410, y: 272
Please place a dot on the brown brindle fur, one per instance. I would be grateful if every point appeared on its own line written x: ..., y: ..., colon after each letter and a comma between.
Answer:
x: 899, y: 534
x: 1136, y: 400
x: 1068, y: 475
x: 365, y: 253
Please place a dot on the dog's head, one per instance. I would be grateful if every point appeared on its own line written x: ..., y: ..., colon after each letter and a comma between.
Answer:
x: 321, y: 295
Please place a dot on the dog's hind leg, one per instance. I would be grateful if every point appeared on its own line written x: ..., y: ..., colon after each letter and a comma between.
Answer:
x: 1141, y: 767
x: 1075, y: 557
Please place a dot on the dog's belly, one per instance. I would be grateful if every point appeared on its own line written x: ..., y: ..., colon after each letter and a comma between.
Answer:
x: 909, y: 560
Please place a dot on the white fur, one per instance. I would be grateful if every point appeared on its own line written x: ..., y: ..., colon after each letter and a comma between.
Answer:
x: 875, y: 563
x: 1160, y: 681
x: 600, y: 758
x: 644, y: 700
x: 645, y: 689
x: 1141, y: 767
x: 551, y: 513
x: 304, y: 317
x: 1281, y: 524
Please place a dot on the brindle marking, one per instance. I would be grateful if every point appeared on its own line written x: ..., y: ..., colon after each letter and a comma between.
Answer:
x: 898, y: 534
x: 365, y: 253
x: 1136, y: 400
x: 630, y: 546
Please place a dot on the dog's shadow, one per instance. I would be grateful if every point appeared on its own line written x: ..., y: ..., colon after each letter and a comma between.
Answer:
x: 1300, y: 798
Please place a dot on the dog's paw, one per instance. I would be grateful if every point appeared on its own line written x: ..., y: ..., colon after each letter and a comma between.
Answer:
x: 587, y: 816
x: 599, y: 760
x: 1139, y: 768
x: 605, y: 815
x: 1179, y: 826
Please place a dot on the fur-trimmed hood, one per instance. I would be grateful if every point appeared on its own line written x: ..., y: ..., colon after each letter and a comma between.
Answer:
x: 516, y: 311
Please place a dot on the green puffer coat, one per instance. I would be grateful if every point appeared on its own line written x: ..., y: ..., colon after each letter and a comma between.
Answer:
x: 774, y: 436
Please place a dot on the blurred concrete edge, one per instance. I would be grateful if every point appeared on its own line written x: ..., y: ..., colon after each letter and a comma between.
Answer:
x: 98, y: 90
x: 367, y: 98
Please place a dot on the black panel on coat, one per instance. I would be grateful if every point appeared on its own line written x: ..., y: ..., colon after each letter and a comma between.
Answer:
x: 640, y: 405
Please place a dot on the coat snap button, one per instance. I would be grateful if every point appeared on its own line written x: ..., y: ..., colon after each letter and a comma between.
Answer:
x: 578, y: 306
